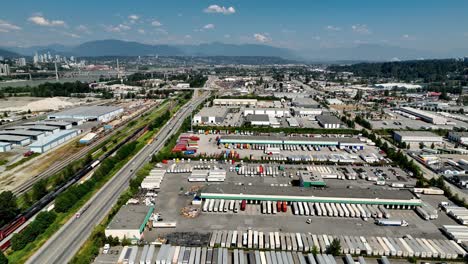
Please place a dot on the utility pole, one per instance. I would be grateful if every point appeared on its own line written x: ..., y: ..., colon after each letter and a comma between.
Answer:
x: 56, y: 72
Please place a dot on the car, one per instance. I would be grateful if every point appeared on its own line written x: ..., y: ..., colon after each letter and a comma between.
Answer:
x: 309, y: 221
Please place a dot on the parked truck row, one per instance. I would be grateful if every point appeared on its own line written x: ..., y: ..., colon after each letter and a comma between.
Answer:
x: 356, y: 245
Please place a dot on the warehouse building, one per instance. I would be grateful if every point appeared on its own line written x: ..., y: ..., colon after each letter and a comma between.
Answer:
x: 47, y: 143
x: 306, y: 111
x: 305, y: 103
x: 89, y: 113
x: 129, y: 222
x: 459, y: 137
x: 258, y: 120
x: 426, y: 116
x: 33, y: 135
x: 341, y: 142
x: 274, y: 112
x: 15, y: 140
x: 53, y: 123
x: 213, y: 115
x: 328, y: 121
x: 391, y: 198
x: 307, y: 179
x: 47, y: 130
x: 333, y: 101
x: 235, y: 102
x: 5, y: 146
x: 416, y: 137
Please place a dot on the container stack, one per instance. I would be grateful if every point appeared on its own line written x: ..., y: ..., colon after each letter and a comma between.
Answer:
x: 187, y: 143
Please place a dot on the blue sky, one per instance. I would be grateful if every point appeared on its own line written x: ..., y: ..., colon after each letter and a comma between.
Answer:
x: 301, y: 25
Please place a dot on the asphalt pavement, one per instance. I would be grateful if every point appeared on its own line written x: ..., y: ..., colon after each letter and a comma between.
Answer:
x: 66, y: 242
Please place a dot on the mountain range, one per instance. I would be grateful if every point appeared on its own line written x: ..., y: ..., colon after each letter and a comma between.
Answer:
x: 112, y: 47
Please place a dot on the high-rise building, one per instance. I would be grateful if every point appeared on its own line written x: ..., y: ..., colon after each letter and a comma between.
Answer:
x: 21, y: 62
x: 4, y: 69
x: 1, y: 58
x: 36, y: 58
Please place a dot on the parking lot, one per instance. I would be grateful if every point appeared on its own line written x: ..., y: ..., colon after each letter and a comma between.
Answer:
x: 208, y: 146
x: 401, y: 122
x: 173, y: 196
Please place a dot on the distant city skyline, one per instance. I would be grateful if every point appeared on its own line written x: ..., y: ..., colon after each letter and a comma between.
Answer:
x: 299, y: 25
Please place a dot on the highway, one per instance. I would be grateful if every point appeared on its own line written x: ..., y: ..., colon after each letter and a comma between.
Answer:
x: 66, y: 242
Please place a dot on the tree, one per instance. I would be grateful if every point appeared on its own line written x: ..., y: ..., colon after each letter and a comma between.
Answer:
x: 335, y: 247
x: 3, y: 258
x: 421, y: 145
x: 39, y: 190
x: 315, y: 250
x: 432, y: 145
x: 8, y: 207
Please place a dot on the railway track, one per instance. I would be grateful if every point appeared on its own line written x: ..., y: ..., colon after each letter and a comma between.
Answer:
x: 58, y: 166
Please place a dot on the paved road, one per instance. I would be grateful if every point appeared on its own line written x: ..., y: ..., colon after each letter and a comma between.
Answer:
x: 64, y: 244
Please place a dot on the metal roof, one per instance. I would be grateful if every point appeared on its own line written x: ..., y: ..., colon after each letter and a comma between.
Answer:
x: 257, y: 118
x: 13, y: 138
x: 86, y: 111
x: 328, y: 119
x: 213, y: 111
x: 52, y: 138
x: 416, y: 134
x: 21, y: 132
x: 129, y: 217
x: 343, y: 195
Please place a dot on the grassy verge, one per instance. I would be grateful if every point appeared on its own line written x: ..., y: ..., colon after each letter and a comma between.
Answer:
x: 19, y: 162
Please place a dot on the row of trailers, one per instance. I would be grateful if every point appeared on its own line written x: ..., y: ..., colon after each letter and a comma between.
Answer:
x: 356, y: 245
x: 208, y: 255
x: 340, y: 210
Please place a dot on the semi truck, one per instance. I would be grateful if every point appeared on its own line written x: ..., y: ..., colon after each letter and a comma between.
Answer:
x: 391, y: 222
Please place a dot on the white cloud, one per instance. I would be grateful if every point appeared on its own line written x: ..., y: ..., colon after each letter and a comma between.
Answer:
x: 42, y: 21
x: 361, y: 29
x: 83, y: 28
x: 227, y: 36
x: 209, y: 26
x: 6, y: 26
x: 188, y: 36
x: 332, y: 28
x: 220, y: 10
x: 118, y: 28
x: 141, y: 31
x: 133, y: 17
x: 156, y: 23
x: 72, y: 35
x: 263, y: 38
x: 162, y: 31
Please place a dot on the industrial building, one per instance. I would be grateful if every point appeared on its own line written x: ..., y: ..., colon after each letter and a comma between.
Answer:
x: 47, y: 130
x: 305, y: 103
x: 213, y: 115
x: 274, y: 112
x: 89, y: 113
x: 259, y: 120
x: 235, y: 102
x: 306, y: 111
x: 129, y: 222
x: 391, y: 198
x: 47, y: 143
x: 416, y: 137
x: 307, y: 179
x: 340, y: 142
x: 5, y: 146
x: 333, y: 101
x: 459, y: 137
x: 328, y: 121
x: 53, y: 123
x: 33, y: 135
x: 426, y: 116
x: 15, y: 140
